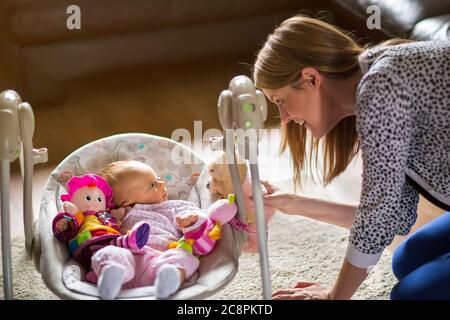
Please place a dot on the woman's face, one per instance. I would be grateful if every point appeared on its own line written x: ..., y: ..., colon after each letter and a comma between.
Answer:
x: 303, y: 103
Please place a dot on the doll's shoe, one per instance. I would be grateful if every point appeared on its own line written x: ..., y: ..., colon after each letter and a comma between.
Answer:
x: 138, y: 236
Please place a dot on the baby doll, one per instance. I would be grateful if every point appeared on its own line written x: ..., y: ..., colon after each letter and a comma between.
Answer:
x: 86, y: 225
x: 222, y: 184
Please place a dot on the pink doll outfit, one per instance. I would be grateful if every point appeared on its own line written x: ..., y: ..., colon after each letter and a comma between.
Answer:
x: 219, y: 212
x: 199, y: 232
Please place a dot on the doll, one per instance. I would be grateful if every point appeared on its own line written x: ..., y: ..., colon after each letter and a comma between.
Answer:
x: 87, y: 226
x: 200, y: 238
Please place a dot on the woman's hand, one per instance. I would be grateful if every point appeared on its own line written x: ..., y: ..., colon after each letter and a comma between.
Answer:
x: 339, y: 214
x: 303, y: 291
x: 283, y: 201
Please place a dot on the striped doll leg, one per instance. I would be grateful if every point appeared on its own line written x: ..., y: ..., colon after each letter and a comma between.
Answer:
x: 136, y: 238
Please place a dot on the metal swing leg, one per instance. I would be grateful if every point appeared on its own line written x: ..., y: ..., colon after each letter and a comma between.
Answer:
x: 16, y: 133
x: 261, y: 227
x: 259, y: 206
x: 243, y: 107
x: 6, y: 231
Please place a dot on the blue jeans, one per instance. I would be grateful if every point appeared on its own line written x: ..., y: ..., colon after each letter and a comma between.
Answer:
x: 422, y: 263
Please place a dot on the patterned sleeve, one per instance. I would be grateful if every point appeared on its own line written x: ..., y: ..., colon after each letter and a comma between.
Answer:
x: 387, y: 202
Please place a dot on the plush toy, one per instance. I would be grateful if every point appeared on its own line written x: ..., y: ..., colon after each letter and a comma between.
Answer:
x: 200, y: 237
x: 86, y: 226
x: 221, y: 183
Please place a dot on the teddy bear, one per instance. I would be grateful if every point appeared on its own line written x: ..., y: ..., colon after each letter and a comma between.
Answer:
x: 221, y: 183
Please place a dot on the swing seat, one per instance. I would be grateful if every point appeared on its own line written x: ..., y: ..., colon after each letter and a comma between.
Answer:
x: 185, y: 175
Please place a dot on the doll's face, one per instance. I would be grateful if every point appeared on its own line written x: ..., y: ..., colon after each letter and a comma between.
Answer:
x: 89, y: 199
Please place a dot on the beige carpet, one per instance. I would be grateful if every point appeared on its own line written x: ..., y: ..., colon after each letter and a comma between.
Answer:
x: 300, y: 249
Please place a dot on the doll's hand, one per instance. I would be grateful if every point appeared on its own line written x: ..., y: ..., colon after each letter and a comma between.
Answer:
x: 62, y: 225
x: 186, y: 220
x: 70, y: 207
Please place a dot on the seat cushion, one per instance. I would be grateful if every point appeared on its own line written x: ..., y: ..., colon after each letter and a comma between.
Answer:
x: 436, y: 28
x: 44, y: 21
x: 398, y: 17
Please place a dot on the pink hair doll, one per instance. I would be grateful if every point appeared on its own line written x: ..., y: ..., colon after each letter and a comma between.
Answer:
x: 85, y: 223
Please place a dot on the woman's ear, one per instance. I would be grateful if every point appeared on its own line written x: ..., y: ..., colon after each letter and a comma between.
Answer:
x: 311, y: 77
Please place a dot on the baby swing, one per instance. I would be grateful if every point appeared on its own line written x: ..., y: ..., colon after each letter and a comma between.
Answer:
x: 240, y: 107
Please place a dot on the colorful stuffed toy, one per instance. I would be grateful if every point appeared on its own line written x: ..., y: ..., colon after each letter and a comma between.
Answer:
x: 201, y: 237
x: 87, y: 226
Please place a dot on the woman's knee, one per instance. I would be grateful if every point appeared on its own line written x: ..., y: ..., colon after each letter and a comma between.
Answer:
x: 401, y: 291
x: 403, y: 256
x: 397, y: 293
x: 412, y: 252
x: 429, y: 281
x: 406, y: 290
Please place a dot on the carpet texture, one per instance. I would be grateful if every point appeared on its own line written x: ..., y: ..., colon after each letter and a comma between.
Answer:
x: 299, y: 248
x: 305, y: 250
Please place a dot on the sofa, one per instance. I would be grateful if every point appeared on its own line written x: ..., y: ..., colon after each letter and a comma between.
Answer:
x: 414, y: 19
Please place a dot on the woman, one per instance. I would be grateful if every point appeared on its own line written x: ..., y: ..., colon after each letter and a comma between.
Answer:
x: 392, y: 102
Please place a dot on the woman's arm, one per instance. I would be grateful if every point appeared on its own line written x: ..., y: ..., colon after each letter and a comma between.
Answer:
x: 339, y: 214
x: 342, y: 215
x: 349, y: 280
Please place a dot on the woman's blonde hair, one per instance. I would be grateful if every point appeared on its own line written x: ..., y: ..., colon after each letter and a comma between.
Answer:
x: 301, y: 42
